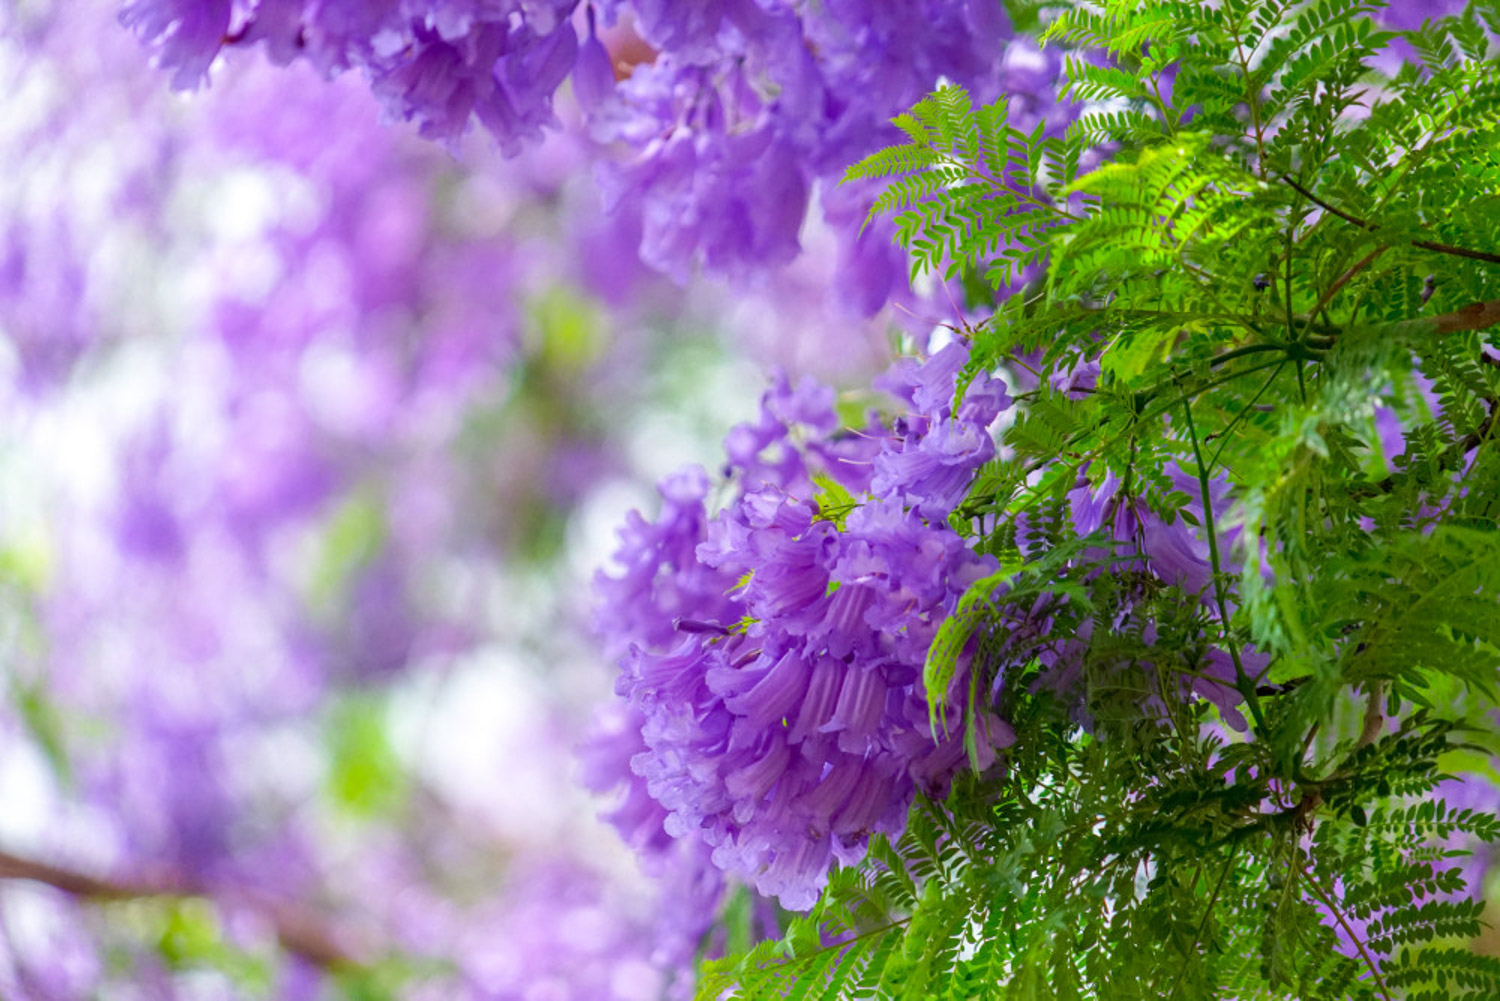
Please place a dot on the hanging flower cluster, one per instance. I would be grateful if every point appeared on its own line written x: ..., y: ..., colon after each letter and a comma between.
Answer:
x: 438, y: 63
x: 773, y: 650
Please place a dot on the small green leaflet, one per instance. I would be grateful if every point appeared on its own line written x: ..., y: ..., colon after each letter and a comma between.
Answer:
x: 975, y: 608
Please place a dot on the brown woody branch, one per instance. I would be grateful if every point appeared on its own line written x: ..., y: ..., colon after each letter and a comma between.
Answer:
x: 79, y: 884
x: 298, y: 930
x: 1475, y: 316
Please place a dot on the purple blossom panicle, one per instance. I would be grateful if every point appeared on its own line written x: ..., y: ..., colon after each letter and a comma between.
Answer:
x: 773, y: 656
x: 442, y: 64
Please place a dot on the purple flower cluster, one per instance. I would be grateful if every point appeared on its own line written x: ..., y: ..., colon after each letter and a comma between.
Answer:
x: 1166, y: 549
x: 439, y: 63
x: 773, y: 651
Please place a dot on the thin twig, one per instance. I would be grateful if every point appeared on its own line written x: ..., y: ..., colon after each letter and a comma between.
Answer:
x: 1338, y: 916
x: 1202, y: 924
x: 1440, y: 248
x: 1374, y: 721
x: 1362, y: 224
x: 1240, y: 416
x: 1344, y: 278
x: 1149, y: 396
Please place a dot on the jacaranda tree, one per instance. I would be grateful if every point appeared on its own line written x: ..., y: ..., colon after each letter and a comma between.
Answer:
x: 1134, y: 635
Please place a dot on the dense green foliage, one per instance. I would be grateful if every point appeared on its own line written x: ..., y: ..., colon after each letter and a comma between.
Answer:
x: 1263, y: 226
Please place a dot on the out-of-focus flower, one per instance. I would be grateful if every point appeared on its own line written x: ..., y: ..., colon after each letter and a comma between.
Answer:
x: 252, y: 398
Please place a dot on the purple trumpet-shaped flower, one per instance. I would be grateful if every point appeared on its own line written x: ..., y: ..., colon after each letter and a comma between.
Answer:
x: 1169, y: 550
x: 1078, y: 381
x: 937, y: 450
x: 594, y: 73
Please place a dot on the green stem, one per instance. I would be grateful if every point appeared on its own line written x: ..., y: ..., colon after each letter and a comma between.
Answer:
x: 1242, y: 682
x: 1252, y: 99
x: 1243, y: 411
x: 1150, y: 395
x: 1207, y: 912
x: 1035, y: 202
x: 1161, y: 106
x: 1240, y: 352
x: 1291, y: 327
